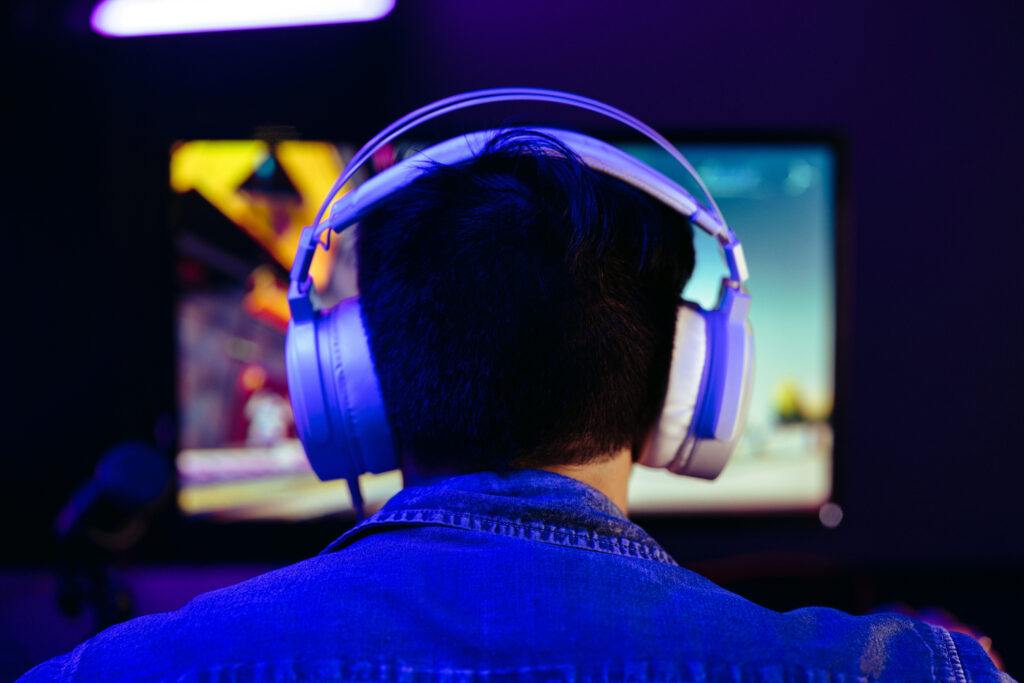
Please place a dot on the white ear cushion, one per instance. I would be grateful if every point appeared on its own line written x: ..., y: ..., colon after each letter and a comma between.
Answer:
x: 689, y: 356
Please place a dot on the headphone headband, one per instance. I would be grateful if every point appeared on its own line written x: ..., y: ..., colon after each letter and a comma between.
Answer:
x: 715, y: 224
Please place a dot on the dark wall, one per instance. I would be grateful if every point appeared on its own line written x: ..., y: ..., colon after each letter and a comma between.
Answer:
x: 926, y: 97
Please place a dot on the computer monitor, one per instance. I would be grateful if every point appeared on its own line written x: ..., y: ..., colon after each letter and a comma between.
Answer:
x: 237, y: 209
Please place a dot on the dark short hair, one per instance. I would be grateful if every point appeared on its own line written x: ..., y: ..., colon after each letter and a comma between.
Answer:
x: 521, y: 308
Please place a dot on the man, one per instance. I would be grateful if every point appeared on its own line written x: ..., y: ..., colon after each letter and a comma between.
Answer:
x: 521, y: 309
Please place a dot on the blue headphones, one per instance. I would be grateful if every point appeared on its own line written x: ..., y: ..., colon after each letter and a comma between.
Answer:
x: 339, y: 411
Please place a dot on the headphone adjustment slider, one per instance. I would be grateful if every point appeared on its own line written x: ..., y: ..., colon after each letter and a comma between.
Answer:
x: 300, y: 301
x: 300, y: 284
x: 736, y: 261
x: 304, y: 257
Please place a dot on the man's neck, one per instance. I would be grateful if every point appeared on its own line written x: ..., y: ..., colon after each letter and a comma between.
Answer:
x: 610, y: 477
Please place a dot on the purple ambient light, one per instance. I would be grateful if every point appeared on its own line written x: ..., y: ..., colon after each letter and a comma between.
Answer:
x: 123, y: 18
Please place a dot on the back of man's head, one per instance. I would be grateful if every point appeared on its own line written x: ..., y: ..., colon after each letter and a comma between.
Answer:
x: 520, y: 308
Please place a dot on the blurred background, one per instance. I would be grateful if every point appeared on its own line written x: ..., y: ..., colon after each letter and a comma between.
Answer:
x: 896, y: 126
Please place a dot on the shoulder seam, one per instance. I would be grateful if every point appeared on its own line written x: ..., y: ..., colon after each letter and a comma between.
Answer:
x: 72, y: 662
x: 953, y: 654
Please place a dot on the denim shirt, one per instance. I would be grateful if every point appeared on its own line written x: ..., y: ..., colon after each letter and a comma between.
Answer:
x: 526, y: 576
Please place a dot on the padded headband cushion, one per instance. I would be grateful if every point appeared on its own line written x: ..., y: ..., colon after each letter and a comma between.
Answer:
x: 595, y: 153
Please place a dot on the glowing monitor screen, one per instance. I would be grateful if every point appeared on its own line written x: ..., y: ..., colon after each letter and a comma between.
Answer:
x: 237, y: 210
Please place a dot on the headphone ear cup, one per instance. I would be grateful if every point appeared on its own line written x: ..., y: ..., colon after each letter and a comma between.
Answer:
x: 336, y: 398
x: 722, y: 410
x: 686, y: 379
x: 709, y: 389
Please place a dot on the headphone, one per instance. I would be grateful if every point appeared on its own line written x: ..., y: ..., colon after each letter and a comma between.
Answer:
x: 336, y: 398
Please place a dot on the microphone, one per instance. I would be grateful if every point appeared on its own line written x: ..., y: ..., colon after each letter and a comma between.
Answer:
x: 109, y: 509
x: 104, y: 517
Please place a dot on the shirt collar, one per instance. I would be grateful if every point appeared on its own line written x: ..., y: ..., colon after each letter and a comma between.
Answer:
x: 541, y: 505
